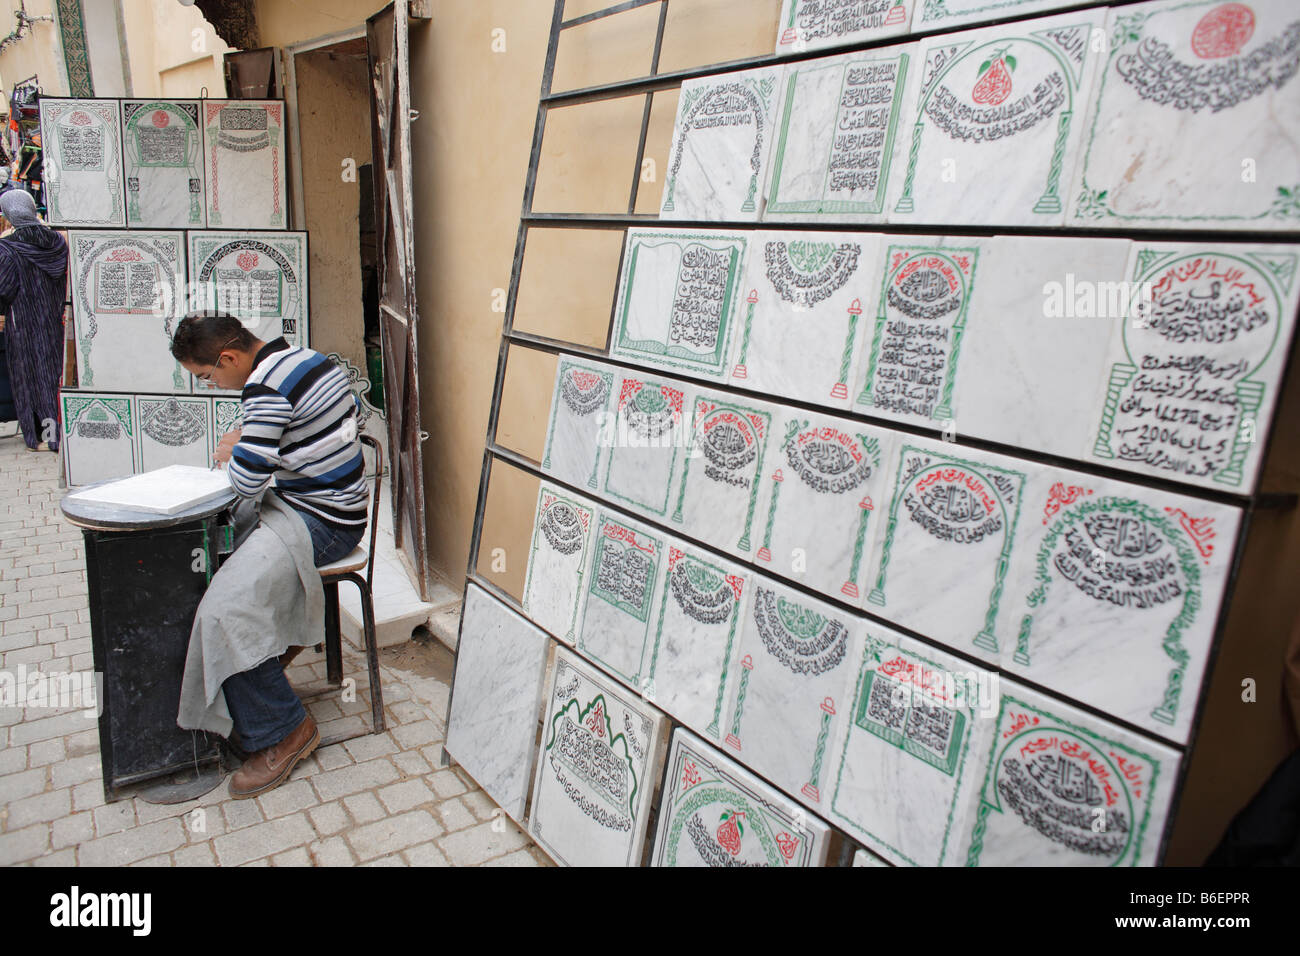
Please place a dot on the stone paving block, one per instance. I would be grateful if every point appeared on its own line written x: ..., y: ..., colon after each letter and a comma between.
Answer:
x: 163, y: 859
x: 342, y: 727
x: 406, y: 711
x: 329, y: 818
x: 520, y: 858
x: 12, y: 760
x: 405, y: 795
x: 298, y: 856
x: 86, y: 742
x: 263, y: 840
x: 411, y: 763
x: 240, y: 814
x: 27, y: 655
x: 62, y: 858
x: 149, y: 812
x: 41, y: 808
x: 455, y: 815
x: 15, y: 786
x: 30, y: 731
x: 417, y: 734
x: 351, y: 779
x: 73, y: 829
x: 394, y: 860
x: 137, y: 843
x: 87, y: 796
x: 371, y: 746
x: 483, y: 806
x: 363, y: 807
x: 446, y: 784
x: 18, y: 846
x: 426, y: 854
x: 288, y: 797
x: 200, y: 854
x: 77, y: 769
x: 393, y: 834
x: 481, y: 843
x: 331, y: 852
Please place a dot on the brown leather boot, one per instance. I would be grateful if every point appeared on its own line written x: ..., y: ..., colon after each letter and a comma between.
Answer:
x: 267, y: 769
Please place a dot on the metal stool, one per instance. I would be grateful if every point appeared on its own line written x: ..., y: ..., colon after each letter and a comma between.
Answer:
x: 348, y: 568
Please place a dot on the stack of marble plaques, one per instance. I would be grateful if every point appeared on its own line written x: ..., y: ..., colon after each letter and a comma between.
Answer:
x: 1030, y: 341
x: 1011, y: 124
x: 164, y: 163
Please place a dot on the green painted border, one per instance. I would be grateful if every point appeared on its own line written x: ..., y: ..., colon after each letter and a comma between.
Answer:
x: 633, y: 680
x: 672, y: 468
x: 76, y: 54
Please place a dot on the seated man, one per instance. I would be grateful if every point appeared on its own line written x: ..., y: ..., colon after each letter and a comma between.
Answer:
x: 299, y: 439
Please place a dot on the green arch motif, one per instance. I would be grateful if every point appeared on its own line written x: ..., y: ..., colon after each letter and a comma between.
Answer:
x: 799, y: 622
x: 710, y: 794
x: 1173, y: 643
x: 620, y: 739
x: 1050, y: 201
x: 1135, y: 831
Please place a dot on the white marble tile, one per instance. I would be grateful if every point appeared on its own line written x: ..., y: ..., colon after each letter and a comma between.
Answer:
x: 941, y: 561
x: 1059, y: 787
x: 581, y: 405
x: 795, y: 670
x: 815, y: 24
x: 162, y: 143
x: 721, y: 139
x: 917, y: 715
x: 1114, y: 596
x: 863, y: 857
x: 174, y: 430
x: 942, y: 14
x: 802, y: 321
x: 165, y: 491
x: 1192, y: 382
x: 98, y: 437
x: 620, y: 591
x: 677, y: 298
x: 1041, y: 315
x: 227, y: 415
x: 1192, y: 124
x: 258, y: 277
x: 837, y: 121
x: 825, y: 483
x: 911, y: 348
x: 649, y: 445
x: 82, y: 156
x: 244, y: 148
x: 690, y: 662
x: 599, y: 762
x: 128, y: 294
x: 993, y: 122
x: 717, y: 498
x: 497, y: 699
x: 557, y: 559
x: 715, y: 813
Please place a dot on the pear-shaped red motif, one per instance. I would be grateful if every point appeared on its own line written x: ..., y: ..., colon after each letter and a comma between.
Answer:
x: 994, y: 86
x: 1223, y: 31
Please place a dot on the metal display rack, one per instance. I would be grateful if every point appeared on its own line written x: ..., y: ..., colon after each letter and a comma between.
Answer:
x: 1249, y: 502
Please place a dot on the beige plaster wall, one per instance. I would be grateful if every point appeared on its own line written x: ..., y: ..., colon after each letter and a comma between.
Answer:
x: 173, y: 51
x: 36, y: 54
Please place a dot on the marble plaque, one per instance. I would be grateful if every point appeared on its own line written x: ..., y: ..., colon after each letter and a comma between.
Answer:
x: 814, y: 24
x: 943, y: 557
x: 1059, y: 787
x: 1041, y: 317
x: 676, y: 299
x: 580, y: 410
x: 716, y: 813
x: 942, y: 14
x: 227, y: 415
x: 597, y: 768
x: 1193, y: 120
x: 916, y: 716
x: 492, y: 727
x: 128, y: 294
x: 721, y: 139
x: 258, y: 277
x: 162, y: 143
x: 174, y: 430
x: 825, y: 478
x: 722, y: 474
x: 557, y: 558
x: 801, y: 321
x: 909, y: 368
x: 691, y: 658
x: 993, y: 123
x: 82, y: 156
x: 98, y: 437
x: 794, y: 679
x: 863, y: 857
x: 837, y: 122
x: 1193, y: 379
x: 244, y: 148
x: 649, y: 443
x: 1116, y: 593
x: 622, y: 582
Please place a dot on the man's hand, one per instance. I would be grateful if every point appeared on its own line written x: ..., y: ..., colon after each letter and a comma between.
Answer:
x: 226, y: 445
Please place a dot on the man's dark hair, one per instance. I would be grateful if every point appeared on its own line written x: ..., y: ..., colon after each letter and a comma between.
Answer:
x: 202, y: 336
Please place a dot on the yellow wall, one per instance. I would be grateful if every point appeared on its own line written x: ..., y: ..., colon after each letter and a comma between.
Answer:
x: 36, y: 54
x: 168, y: 57
x: 282, y: 22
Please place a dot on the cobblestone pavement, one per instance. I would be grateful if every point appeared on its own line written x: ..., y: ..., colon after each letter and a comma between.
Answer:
x: 380, y: 800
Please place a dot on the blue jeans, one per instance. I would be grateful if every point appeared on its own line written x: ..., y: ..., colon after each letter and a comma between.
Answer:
x: 262, y: 705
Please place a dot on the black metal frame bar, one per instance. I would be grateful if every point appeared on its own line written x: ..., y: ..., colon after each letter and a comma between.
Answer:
x: 1250, y: 502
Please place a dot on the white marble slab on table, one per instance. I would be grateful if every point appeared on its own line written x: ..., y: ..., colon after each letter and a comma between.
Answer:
x: 165, y: 491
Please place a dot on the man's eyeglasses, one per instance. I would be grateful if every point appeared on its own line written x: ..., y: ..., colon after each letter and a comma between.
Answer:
x: 206, y: 377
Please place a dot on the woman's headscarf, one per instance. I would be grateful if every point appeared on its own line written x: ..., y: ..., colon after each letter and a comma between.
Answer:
x: 19, y: 208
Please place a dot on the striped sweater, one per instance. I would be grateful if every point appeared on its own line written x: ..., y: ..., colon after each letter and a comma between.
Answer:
x: 300, y: 429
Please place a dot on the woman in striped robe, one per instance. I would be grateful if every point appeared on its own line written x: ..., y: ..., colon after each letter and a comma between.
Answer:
x: 33, y: 276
